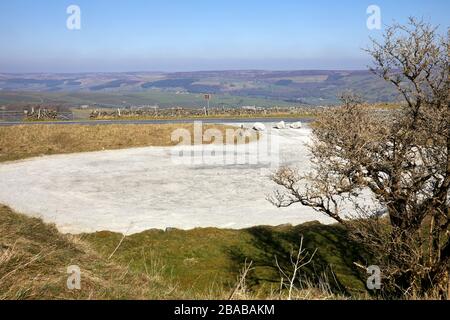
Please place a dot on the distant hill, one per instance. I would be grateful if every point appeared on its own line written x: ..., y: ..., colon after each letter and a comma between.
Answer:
x: 308, y: 87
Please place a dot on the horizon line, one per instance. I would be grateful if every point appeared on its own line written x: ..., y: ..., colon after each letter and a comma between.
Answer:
x: 190, y: 71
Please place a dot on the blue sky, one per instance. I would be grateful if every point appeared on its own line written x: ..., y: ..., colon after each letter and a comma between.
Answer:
x: 184, y: 35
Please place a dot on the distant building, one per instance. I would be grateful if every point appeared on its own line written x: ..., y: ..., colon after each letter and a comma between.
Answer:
x: 84, y: 107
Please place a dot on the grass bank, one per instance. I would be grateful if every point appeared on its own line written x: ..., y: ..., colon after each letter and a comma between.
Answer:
x: 175, y: 264
x: 34, y: 258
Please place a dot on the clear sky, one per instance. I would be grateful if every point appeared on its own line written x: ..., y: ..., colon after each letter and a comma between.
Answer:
x: 184, y: 35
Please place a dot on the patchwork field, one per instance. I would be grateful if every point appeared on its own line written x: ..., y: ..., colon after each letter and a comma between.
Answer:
x: 186, y: 89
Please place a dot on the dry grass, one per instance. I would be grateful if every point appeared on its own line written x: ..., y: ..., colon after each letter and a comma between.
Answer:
x: 24, y: 141
x: 34, y: 258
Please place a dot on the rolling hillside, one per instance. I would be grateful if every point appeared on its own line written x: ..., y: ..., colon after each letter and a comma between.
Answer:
x: 230, y: 88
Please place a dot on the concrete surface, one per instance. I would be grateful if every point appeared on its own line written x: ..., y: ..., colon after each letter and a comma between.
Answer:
x: 137, y: 189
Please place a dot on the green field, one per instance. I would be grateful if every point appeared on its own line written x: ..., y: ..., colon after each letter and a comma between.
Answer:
x: 121, y: 99
x: 186, y: 89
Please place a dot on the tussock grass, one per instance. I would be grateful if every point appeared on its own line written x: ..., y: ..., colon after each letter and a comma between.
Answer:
x: 24, y: 141
x: 34, y: 258
x: 207, y: 261
x: 195, y: 264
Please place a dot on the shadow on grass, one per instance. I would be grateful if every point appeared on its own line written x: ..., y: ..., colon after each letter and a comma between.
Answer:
x: 333, y: 261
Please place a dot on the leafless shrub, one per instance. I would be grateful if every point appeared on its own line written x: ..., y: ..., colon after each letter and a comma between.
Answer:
x: 298, y: 259
x: 241, y: 290
x: 402, y: 157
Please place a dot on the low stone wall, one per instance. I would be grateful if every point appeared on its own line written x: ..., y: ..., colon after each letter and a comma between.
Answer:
x: 46, y: 114
x: 190, y: 112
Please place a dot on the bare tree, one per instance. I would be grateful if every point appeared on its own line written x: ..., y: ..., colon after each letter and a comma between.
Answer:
x: 401, y: 157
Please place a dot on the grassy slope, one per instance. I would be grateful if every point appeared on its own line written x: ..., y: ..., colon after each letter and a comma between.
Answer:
x: 199, y: 263
x: 260, y: 88
x: 117, y: 98
x: 34, y: 258
x: 209, y: 258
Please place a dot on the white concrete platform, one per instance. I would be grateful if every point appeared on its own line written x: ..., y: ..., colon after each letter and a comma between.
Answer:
x: 138, y: 189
